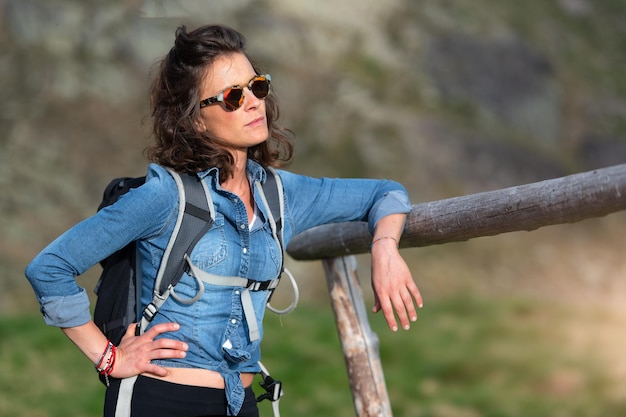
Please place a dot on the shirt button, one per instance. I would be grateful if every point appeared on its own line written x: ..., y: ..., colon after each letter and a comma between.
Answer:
x: 245, y: 250
x: 242, y: 226
x: 237, y: 292
x: 233, y: 321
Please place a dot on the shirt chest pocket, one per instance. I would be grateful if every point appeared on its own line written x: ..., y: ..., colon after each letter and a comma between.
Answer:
x: 212, y: 247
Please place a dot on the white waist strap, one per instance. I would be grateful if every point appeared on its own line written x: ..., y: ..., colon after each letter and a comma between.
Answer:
x: 246, y: 299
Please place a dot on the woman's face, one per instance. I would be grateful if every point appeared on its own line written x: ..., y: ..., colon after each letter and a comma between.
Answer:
x: 241, y: 128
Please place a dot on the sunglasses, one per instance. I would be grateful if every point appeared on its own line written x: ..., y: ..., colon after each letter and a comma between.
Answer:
x: 232, y: 98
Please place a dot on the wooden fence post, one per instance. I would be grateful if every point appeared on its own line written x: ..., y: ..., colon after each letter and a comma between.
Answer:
x: 359, y: 342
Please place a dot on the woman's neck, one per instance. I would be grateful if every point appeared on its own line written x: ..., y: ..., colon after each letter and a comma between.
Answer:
x: 238, y: 183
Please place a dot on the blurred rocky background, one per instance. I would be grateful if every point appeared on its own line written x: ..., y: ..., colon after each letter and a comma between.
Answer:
x: 447, y: 97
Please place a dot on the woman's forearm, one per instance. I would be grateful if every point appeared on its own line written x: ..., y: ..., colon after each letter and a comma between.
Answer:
x: 389, y: 227
x: 395, y: 291
x: 89, y: 339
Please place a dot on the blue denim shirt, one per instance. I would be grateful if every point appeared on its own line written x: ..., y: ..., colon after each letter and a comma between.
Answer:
x: 214, y: 326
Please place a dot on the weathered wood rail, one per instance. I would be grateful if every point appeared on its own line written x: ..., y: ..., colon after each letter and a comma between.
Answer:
x: 526, y: 207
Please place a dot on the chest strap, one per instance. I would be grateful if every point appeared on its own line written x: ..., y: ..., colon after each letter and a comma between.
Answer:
x: 246, y: 299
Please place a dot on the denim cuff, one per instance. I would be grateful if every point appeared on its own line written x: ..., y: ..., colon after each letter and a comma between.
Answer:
x: 393, y: 202
x: 66, y: 311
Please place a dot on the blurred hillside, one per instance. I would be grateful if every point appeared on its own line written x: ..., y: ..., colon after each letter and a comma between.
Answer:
x: 447, y: 97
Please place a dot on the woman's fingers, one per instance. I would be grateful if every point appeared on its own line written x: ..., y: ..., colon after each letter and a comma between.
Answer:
x: 384, y: 305
x: 402, y: 309
x: 155, y: 370
x: 399, y: 306
x: 157, y: 329
x: 137, y: 352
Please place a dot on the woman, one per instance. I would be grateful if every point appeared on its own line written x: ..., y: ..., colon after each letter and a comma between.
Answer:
x: 215, y: 116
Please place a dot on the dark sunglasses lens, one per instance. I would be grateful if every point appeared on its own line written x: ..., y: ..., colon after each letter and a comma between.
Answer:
x: 233, y: 98
x: 260, y: 87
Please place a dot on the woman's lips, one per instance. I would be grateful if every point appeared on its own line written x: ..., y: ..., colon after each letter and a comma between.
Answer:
x: 256, y: 122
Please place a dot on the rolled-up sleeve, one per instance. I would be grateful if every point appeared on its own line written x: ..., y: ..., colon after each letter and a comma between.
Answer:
x: 393, y: 202
x: 66, y: 311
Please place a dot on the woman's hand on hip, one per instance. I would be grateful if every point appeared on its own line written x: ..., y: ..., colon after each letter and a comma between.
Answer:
x: 135, y: 353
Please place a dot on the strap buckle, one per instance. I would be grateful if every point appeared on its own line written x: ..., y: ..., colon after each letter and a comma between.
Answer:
x: 273, y: 389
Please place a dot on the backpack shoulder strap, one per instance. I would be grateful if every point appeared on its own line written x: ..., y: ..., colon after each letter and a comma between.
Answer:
x: 273, y: 197
x: 272, y: 193
x: 197, y: 210
x: 195, y: 218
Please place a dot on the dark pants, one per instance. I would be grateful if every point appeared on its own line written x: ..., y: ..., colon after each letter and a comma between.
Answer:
x: 155, y: 398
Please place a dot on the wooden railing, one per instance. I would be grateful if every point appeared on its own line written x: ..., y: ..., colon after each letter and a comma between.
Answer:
x: 526, y: 207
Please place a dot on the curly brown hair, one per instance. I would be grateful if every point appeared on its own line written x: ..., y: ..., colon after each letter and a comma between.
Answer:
x: 175, y: 107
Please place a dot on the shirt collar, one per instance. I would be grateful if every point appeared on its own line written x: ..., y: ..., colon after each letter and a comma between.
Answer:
x: 254, y: 169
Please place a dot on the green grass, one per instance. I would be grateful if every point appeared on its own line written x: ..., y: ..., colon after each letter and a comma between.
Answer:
x: 42, y: 374
x: 465, y: 357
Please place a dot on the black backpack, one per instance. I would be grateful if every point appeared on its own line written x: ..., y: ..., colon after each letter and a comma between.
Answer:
x: 119, y: 288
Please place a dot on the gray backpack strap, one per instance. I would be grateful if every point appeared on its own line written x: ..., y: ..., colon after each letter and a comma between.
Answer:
x: 195, y: 218
x: 198, y: 215
x: 272, y: 195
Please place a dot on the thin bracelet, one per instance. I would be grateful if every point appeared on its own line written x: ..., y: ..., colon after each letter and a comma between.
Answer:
x: 385, y: 237
x: 105, y: 368
x: 104, y: 355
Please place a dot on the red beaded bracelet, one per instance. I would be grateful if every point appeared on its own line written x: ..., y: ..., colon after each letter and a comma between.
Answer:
x: 107, y: 361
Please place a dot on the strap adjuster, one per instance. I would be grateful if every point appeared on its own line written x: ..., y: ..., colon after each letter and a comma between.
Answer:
x: 150, y: 311
x: 253, y: 285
